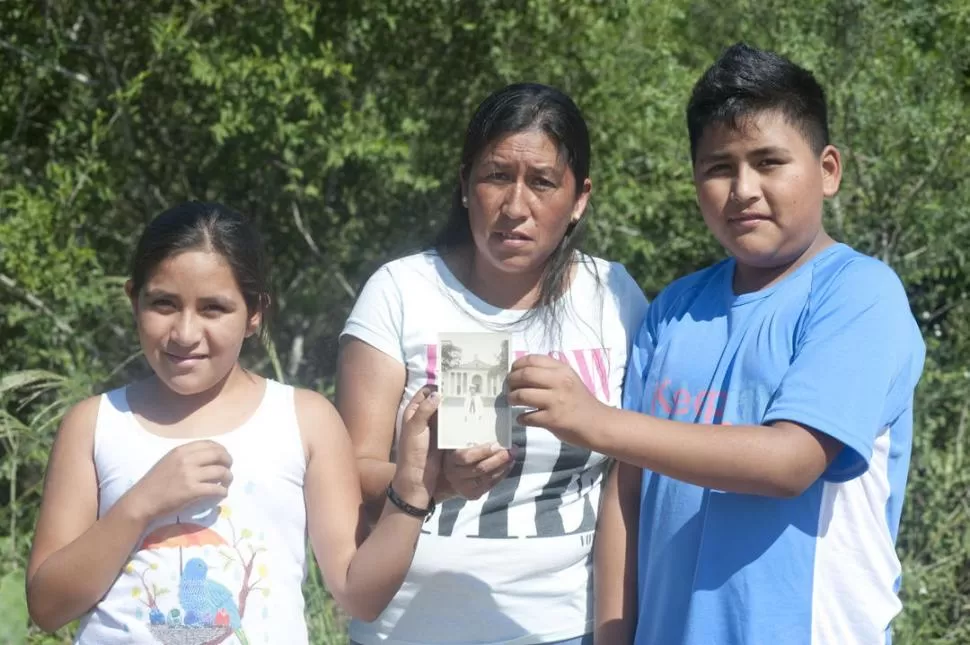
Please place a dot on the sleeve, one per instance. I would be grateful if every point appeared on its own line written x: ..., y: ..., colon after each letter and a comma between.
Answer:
x: 639, y: 360
x: 632, y: 303
x: 378, y: 315
x: 859, y: 337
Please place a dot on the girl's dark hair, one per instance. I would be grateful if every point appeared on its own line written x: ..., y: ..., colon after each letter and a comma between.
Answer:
x: 208, y: 226
x: 520, y: 108
x: 745, y: 81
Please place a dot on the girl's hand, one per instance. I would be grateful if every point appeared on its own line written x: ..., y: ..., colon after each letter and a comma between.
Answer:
x: 562, y: 403
x: 418, y: 458
x: 191, y: 472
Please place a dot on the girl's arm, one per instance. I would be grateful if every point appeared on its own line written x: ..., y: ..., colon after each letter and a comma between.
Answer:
x: 77, y: 556
x: 369, y: 388
x: 615, y: 557
x: 363, y: 575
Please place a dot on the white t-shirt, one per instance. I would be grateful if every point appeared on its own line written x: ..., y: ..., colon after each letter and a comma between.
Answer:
x: 513, y: 567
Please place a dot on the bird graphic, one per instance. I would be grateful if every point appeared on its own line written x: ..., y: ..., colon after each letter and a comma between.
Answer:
x: 203, y: 600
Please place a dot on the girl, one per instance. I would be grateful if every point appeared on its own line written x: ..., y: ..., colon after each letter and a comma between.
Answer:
x: 175, y: 508
x: 507, y: 556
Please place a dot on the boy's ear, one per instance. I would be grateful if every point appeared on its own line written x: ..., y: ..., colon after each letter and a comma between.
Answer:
x: 831, y: 165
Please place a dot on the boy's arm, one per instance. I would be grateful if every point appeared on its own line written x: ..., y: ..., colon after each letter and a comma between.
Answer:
x: 857, y: 361
x: 780, y: 460
x: 615, y: 557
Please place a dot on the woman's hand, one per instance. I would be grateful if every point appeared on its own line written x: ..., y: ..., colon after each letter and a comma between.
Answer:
x: 472, y: 472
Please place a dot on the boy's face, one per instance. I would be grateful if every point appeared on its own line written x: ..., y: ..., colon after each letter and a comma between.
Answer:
x: 760, y: 188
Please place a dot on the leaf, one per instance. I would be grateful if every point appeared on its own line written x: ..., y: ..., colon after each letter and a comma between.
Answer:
x: 13, y: 609
x: 25, y: 378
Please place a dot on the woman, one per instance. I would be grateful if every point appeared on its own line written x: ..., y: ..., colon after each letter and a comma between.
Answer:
x: 505, y: 555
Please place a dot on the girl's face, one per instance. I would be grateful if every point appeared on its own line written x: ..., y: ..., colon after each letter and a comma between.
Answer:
x: 192, y: 320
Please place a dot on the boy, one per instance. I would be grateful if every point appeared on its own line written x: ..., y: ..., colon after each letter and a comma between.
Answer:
x: 768, y: 422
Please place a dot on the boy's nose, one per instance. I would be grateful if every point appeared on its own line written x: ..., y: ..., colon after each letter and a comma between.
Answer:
x: 746, y: 188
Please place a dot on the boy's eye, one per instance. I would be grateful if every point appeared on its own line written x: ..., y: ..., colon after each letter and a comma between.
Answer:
x: 163, y: 304
x: 497, y: 175
x: 767, y: 163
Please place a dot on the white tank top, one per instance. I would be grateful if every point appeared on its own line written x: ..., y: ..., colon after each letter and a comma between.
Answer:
x: 227, y: 571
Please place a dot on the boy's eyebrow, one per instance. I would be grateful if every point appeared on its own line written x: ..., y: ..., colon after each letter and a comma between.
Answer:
x: 769, y: 150
x: 763, y: 151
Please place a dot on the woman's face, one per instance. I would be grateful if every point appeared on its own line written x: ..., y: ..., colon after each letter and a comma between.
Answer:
x: 521, y: 197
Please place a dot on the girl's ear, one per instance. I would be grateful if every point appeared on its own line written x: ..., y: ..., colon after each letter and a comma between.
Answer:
x: 132, y: 296
x: 256, y: 318
x: 463, y: 183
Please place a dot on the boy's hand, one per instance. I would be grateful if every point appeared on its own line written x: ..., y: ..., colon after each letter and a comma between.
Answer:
x: 563, y: 404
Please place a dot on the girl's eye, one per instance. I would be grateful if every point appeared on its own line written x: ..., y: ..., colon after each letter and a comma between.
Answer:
x: 163, y: 303
x: 214, y: 309
x: 718, y: 169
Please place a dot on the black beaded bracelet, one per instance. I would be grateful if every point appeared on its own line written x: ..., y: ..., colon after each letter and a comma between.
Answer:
x: 413, y: 511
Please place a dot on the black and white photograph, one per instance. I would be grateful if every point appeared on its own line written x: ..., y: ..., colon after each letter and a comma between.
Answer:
x: 474, y: 405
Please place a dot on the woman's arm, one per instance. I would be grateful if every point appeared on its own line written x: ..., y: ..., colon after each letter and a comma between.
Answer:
x: 363, y: 579
x: 369, y: 388
x: 615, y: 557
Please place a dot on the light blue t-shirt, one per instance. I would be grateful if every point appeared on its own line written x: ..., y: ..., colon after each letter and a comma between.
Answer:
x: 833, y: 347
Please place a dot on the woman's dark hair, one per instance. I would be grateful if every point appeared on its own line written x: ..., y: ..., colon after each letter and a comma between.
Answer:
x: 745, y: 81
x: 207, y: 226
x: 520, y: 108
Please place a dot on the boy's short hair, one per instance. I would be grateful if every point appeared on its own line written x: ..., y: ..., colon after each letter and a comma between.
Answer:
x: 744, y: 81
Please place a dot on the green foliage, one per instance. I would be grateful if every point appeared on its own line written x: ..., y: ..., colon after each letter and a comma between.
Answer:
x: 338, y: 125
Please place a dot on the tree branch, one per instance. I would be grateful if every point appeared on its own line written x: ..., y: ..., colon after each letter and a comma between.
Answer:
x: 35, y: 302
x: 337, y: 274
x: 83, y: 79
